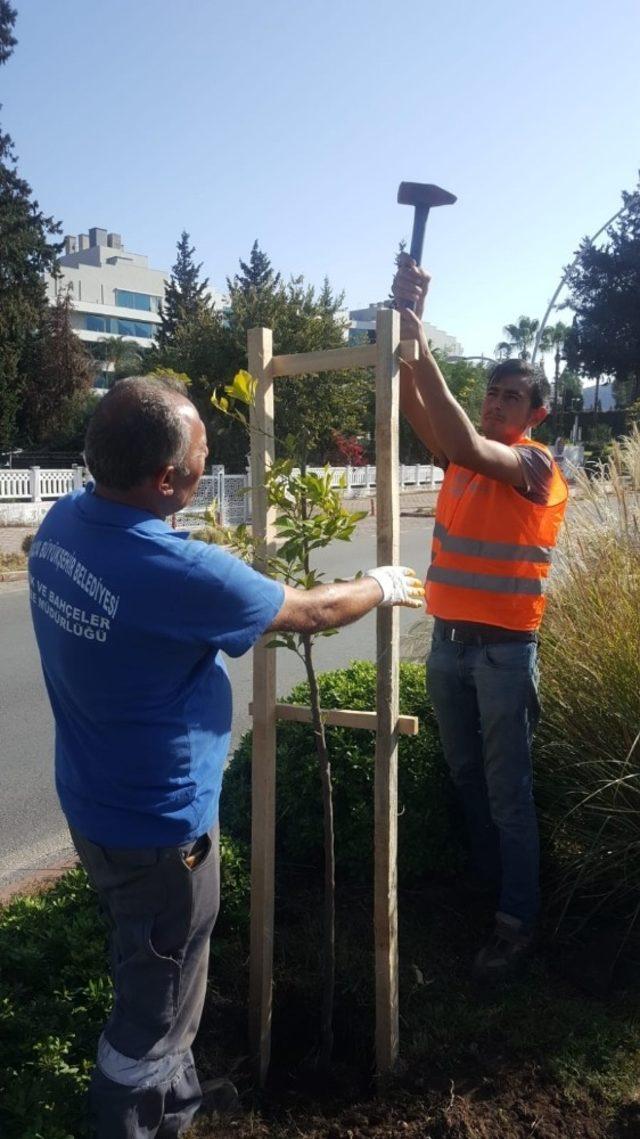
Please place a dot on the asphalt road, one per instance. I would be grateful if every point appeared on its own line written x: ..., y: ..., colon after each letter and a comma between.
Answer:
x: 32, y: 829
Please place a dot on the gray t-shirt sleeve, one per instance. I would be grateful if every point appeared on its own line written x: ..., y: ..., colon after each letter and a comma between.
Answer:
x: 537, y: 468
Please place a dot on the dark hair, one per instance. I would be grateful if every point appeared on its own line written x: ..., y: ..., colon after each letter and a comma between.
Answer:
x: 136, y: 430
x: 535, y: 377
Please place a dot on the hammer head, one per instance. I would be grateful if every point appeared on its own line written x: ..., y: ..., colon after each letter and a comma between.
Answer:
x: 423, y: 194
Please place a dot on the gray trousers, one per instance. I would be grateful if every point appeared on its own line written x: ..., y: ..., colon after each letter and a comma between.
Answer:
x: 161, y: 914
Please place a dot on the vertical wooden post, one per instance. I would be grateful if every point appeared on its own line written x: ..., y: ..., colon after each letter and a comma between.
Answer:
x: 387, y: 696
x: 263, y: 766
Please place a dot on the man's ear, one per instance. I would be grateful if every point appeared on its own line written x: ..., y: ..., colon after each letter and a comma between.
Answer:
x: 164, y: 481
x: 538, y: 416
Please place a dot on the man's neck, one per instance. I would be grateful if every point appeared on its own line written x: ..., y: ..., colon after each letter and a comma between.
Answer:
x: 138, y: 498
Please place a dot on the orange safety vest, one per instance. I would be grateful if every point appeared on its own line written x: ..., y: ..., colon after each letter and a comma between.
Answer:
x: 492, y: 549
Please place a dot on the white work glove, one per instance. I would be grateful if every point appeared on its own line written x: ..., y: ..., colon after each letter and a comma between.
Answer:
x: 399, y: 585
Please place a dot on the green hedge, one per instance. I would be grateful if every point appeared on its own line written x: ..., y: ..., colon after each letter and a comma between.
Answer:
x: 427, y: 840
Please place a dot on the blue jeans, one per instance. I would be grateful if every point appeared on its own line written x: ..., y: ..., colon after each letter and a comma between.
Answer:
x: 485, y: 698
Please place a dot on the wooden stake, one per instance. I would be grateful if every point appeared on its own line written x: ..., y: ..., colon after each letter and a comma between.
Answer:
x: 385, y: 354
x: 388, y: 655
x: 336, y: 359
x: 263, y: 765
x: 342, y: 718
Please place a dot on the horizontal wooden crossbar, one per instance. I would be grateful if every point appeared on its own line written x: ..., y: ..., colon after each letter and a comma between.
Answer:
x: 343, y: 718
x: 336, y: 359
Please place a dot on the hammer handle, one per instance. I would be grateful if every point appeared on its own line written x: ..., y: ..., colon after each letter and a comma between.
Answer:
x: 417, y: 238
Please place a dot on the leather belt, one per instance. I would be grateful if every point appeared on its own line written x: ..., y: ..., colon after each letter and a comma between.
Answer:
x: 468, y: 633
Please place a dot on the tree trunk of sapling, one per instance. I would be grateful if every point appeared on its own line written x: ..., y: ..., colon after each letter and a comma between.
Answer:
x: 329, y: 922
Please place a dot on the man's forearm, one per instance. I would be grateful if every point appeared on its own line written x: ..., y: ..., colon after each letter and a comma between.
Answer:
x: 330, y: 606
x: 327, y: 606
x: 340, y: 603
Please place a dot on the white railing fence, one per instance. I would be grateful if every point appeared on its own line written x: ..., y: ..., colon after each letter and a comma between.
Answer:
x: 233, y: 501
x: 36, y: 484
x: 362, y: 480
x: 229, y: 492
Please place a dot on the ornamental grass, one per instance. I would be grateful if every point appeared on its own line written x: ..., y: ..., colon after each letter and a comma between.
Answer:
x: 588, y: 749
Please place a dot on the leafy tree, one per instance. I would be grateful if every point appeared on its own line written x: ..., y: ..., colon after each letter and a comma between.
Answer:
x: 302, y: 320
x: 212, y: 347
x: 26, y: 253
x: 7, y: 22
x: 467, y: 381
x: 604, y: 284
x: 520, y: 338
x: 185, y: 296
x: 201, y: 349
x: 68, y: 434
x: 307, y: 412
x: 58, y: 376
x: 169, y: 374
x: 571, y: 396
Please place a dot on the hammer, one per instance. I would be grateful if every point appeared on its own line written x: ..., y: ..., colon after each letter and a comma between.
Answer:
x: 422, y: 197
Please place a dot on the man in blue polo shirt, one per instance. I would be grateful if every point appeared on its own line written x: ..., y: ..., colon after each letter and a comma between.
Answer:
x: 131, y: 621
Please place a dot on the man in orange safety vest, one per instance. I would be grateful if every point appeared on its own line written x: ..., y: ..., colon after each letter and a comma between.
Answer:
x: 498, y: 515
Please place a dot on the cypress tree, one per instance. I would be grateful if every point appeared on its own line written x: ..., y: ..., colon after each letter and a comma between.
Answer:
x: 257, y: 275
x: 186, y: 294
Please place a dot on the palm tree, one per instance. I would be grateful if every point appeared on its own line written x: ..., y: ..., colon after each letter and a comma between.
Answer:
x: 120, y: 356
x: 553, y: 337
x: 503, y: 349
x: 521, y: 337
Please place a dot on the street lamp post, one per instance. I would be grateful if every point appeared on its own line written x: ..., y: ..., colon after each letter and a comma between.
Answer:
x: 556, y: 381
x: 483, y: 359
x: 563, y: 281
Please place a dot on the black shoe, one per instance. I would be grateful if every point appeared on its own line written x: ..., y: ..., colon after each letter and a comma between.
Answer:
x: 505, y: 954
x: 219, y: 1096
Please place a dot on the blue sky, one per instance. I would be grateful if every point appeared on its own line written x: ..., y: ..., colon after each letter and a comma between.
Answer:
x: 294, y: 122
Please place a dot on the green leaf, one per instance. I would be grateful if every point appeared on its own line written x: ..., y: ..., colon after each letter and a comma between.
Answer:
x: 243, y: 387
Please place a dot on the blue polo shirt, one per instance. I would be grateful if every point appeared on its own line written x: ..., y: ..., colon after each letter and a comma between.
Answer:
x: 131, y: 622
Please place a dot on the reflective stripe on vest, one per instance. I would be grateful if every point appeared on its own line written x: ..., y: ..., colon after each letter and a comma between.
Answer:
x: 486, y: 581
x: 499, y: 551
x: 491, y: 550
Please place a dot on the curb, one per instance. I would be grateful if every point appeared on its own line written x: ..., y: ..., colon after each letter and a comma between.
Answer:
x: 14, y: 575
x: 38, y: 881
